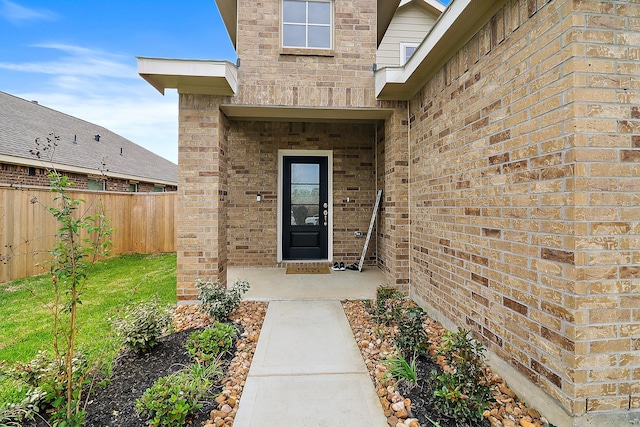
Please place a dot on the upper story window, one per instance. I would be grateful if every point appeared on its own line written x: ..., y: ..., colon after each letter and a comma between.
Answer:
x: 307, y: 23
x: 407, y: 49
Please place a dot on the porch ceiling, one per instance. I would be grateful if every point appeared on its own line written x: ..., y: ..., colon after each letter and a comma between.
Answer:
x: 304, y: 114
x: 189, y: 75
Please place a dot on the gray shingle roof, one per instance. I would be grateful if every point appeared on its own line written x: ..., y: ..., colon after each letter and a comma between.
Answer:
x: 22, y: 121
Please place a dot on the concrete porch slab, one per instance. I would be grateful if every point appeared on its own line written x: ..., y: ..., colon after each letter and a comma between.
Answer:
x: 272, y: 284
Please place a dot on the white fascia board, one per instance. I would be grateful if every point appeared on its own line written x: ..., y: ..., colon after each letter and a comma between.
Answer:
x: 37, y: 163
x: 190, y: 75
x: 458, y: 23
x: 434, y: 4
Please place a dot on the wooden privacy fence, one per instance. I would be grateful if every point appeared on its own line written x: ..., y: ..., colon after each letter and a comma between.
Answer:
x: 142, y: 222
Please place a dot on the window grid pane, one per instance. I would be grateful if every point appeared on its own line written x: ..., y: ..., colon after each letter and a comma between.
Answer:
x: 306, y: 24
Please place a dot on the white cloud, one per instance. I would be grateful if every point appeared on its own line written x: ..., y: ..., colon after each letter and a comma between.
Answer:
x: 17, y: 14
x: 105, y: 89
x: 78, y: 62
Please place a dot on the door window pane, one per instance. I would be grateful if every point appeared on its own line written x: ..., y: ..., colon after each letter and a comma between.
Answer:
x: 305, y: 194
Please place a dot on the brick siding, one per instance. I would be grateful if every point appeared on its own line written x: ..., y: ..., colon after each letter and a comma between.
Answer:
x: 19, y: 175
x: 524, y: 192
x: 253, y: 159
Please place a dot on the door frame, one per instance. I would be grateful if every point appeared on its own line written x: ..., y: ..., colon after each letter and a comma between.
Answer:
x: 306, y: 153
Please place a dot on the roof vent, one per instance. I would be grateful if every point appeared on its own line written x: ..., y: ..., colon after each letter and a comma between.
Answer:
x: 97, y: 137
x: 75, y: 139
x: 34, y: 102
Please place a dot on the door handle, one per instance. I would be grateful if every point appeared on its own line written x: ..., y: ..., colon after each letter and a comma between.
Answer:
x: 326, y: 213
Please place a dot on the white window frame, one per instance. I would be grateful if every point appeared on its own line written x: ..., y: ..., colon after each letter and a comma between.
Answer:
x: 403, y: 51
x: 307, y: 25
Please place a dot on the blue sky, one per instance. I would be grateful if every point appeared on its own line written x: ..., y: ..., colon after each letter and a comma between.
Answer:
x: 78, y: 57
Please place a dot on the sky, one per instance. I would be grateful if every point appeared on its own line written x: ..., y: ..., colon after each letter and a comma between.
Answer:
x: 79, y: 57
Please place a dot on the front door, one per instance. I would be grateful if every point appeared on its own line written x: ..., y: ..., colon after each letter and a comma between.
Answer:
x: 305, y: 208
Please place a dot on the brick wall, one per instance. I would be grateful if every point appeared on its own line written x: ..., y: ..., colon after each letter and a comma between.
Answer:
x: 524, y: 192
x: 253, y: 160
x: 341, y: 77
x: 393, y: 174
x: 202, y: 193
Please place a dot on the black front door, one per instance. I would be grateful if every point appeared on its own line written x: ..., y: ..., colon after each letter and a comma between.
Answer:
x: 305, y: 208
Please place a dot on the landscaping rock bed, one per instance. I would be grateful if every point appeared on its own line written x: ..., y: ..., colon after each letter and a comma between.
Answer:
x: 405, y: 407
x: 113, y: 406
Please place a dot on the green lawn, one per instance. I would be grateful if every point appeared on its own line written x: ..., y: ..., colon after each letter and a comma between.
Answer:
x: 26, y: 322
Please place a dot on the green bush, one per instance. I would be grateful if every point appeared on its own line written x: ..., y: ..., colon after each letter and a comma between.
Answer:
x: 218, y: 301
x: 45, y: 385
x: 171, y: 399
x: 463, y: 392
x: 27, y: 398
x: 140, y: 326
x: 210, y: 343
x: 411, y: 338
x: 387, y: 309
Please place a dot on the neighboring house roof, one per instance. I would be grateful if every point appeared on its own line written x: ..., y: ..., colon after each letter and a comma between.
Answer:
x: 22, y: 121
x: 229, y: 11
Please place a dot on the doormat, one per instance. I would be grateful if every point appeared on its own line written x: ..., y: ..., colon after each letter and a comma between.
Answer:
x: 304, y: 269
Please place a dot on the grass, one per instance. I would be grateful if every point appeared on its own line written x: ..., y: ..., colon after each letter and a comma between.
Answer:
x: 26, y: 320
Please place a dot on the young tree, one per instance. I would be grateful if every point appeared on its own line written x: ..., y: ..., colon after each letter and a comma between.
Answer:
x: 81, y: 240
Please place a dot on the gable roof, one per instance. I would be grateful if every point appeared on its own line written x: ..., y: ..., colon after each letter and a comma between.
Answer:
x: 22, y: 121
x: 459, y: 22
x: 229, y: 12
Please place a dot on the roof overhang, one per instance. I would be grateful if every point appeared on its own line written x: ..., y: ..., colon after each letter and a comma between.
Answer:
x: 306, y: 114
x: 456, y: 26
x: 23, y: 161
x: 432, y: 6
x: 190, y: 75
x: 229, y: 11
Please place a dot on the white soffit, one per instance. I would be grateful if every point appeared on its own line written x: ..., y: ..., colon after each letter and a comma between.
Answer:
x: 190, y: 75
x: 460, y: 21
x: 306, y: 114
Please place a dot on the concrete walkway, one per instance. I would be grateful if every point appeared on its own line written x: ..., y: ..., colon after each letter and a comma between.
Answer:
x: 308, y: 372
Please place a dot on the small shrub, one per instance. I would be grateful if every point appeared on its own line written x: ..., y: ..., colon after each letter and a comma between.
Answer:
x: 171, y: 399
x: 27, y: 404
x: 45, y: 380
x: 218, y: 301
x: 210, y: 343
x: 140, y: 326
x: 411, y: 338
x: 387, y: 309
x: 462, y: 392
x: 400, y: 369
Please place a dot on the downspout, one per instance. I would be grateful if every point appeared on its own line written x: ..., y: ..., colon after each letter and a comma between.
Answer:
x: 375, y: 165
x: 409, y: 191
